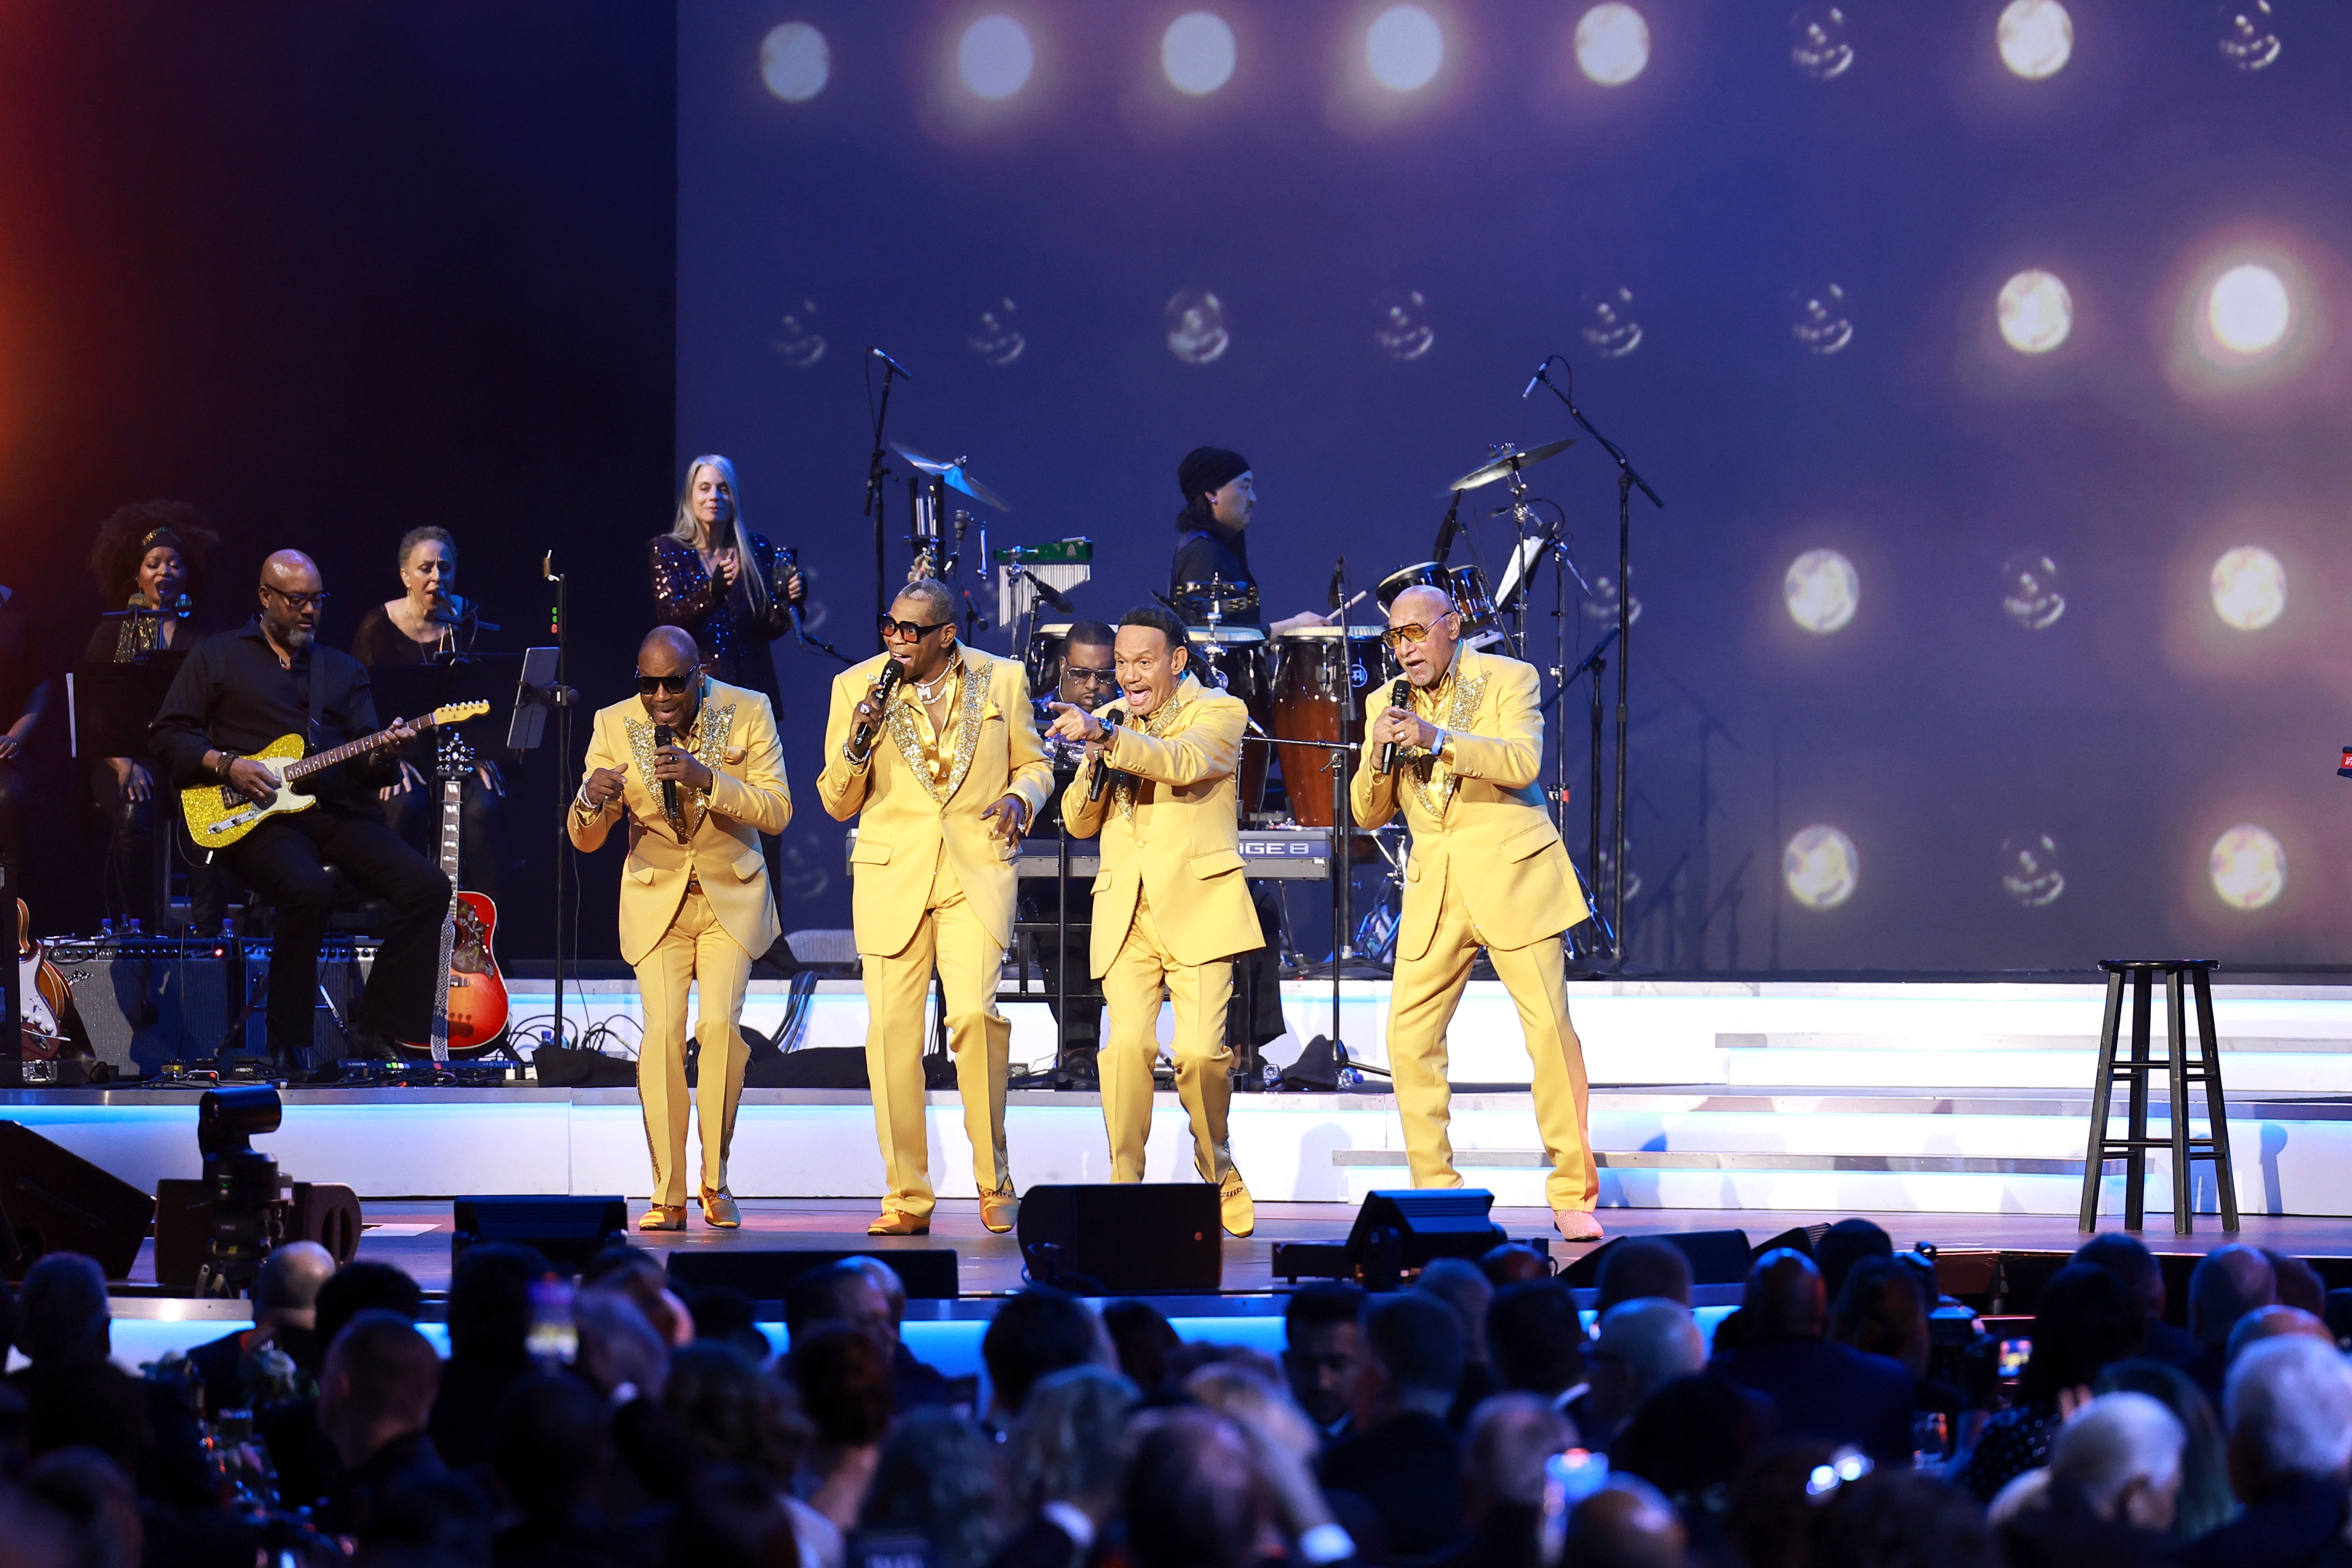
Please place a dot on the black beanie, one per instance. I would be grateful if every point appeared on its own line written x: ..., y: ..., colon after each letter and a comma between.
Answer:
x: 1206, y: 468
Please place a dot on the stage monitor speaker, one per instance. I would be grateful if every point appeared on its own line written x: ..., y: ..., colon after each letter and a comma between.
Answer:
x: 929, y: 1274
x: 322, y: 1212
x: 567, y: 1230
x: 1403, y: 1227
x: 53, y: 1200
x: 1717, y: 1256
x: 1123, y: 1239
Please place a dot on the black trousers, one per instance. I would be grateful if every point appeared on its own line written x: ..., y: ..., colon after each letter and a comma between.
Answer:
x: 284, y: 862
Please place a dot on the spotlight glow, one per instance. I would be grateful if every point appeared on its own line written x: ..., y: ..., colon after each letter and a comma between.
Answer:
x: 1612, y: 44
x: 2035, y: 310
x: 1198, y: 52
x: 995, y: 57
x: 1823, y: 591
x: 1822, y: 867
x: 2249, y: 867
x: 2249, y: 589
x: 2249, y: 310
x: 795, y: 62
x: 2035, y: 37
x: 2032, y: 871
x: 1404, y: 48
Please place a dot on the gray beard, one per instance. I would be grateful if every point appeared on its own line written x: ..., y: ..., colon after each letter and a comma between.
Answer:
x: 297, y: 638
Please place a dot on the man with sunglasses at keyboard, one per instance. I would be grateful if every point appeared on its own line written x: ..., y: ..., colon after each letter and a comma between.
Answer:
x: 1487, y: 870
x: 695, y: 767
x: 944, y: 772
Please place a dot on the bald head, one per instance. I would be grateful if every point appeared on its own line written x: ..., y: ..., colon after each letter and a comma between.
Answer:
x: 291, y: 571
x: 291, y: 591
x: 288, y: 1289
x: 1784, y: 1295
x: 667, y: 651
x: 1426, y: 652
x: 1419, y: 603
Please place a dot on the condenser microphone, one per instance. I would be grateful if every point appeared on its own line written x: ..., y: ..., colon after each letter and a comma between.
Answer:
x: 1537, y: 379
x: 669, y: 786
x: 1102, y: 767
x: 1399, y: 695
x: 884, y: 683
x: 893, y: 363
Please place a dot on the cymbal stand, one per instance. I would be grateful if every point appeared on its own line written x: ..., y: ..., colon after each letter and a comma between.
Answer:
x: 1522, y: 561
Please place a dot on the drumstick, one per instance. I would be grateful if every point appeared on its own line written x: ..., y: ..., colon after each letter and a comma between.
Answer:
x: 1361, y: 595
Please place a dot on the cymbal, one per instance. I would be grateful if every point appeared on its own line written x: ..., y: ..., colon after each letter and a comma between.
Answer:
x: 955, y: 475
x: 1510, y: 463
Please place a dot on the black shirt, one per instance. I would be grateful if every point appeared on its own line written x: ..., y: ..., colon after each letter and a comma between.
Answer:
x: 233, y: 695
x: 1213, y: 550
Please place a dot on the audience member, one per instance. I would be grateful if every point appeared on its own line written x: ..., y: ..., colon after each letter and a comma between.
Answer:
x: 868, y: 1292
x: 731, y: 1517
x: 552, y: 1450
x: 1064, y: 1460
x: 77, y: 1398
x: 1144, y: 1340
x: 1883, y: 1311
x: 2110, y: 1494
x: 490, y: 1334
x: 92, y: 1492
x: 2288, y: 1407
x: 1323, y: 1352
x: 1903, y: 1518
x: 846, y: 1388
x: 1514, y: 1263
x: 1775, y: 1514
x: 1462, y: 1286
x: 734, y: 1413
x: 1644, y: 1344
x: 1195, y: 1495
x: 1400, y: 1458
x: 638, y: 1273
x: 1643, y: 1267
x: 724, y: 1315
x: 2298, y: 1284
x: 1537, y: 1341
x: 2127, y: 1258
x: 375, y: 1400
x: 1689, y: 1440
x: 1504, y: 1450
x: 939, y: 1478
x: 1625, y: 1525
x: 364, y: 1286
x: 1843, y: 1246
x: 61, y: 1310
x: 2205, y: 1500
x: 1036, y: 1332
x: 2271, y: 1322
x: 284, y: 1316
x: 2084, y: 1319
x: 1818, y: 1389
x: 304, y: 1458
x: 2228, y: 1283
x: 35, y: 1535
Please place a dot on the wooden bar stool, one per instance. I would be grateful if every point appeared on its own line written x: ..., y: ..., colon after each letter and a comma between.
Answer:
x: 2133, y: 1147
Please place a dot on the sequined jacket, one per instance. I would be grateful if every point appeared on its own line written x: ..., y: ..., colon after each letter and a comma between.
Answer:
x: 734, y: 641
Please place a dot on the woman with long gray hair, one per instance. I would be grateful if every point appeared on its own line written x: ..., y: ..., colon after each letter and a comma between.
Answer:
x: 728, y: 587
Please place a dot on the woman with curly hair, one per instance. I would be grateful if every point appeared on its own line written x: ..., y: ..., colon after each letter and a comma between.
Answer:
x: 148, y: 559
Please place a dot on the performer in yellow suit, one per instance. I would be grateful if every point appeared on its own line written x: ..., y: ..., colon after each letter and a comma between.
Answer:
x: 1171, y: 901
x: 695, y: 900
x: 944, y: 774
x: 1487, y: 870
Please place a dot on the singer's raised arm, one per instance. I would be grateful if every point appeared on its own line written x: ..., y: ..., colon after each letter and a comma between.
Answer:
x: 841, y: 784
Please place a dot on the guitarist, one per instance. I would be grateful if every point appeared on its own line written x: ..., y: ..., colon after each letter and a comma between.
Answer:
x: 239, y: 692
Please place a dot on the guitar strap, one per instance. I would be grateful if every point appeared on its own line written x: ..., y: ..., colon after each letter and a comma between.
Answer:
x: 318, y: 698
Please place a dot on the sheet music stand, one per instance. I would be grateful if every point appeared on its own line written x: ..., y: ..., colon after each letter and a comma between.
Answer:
x: 107, y: 709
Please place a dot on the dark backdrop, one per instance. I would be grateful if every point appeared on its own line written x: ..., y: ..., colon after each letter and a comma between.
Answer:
x: 1943, y: 736
x: 331, y: 272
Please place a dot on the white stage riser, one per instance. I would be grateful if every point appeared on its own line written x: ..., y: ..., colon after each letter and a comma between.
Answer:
x: 1920, y: 1036
x: 820, y: 1145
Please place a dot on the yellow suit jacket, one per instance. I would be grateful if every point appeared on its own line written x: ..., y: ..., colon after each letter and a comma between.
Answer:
x: 737, y: 741
x: 903, y: 825
x: 1481, y: 819
x: 1179, y: 844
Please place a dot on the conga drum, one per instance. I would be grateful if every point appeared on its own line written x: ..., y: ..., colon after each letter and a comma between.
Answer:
x: 1237, y: 658
x: 1317, y: 672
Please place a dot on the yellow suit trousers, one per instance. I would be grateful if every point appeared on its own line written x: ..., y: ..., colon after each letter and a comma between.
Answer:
x: 951, y: 935
x: 1422, y: 998
x: 695, y: 948
x: 1131, y: 988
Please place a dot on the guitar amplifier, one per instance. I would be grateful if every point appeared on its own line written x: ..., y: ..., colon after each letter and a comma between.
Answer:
x: 150, y: 1000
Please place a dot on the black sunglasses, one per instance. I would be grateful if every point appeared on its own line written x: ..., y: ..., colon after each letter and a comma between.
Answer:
x: 649, y: 684
x: 910, y: 630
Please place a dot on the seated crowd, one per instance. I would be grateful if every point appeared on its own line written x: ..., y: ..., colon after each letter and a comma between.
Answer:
x: 1844, y: 1415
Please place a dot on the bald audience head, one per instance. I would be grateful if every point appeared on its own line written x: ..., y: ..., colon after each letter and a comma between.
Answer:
x: 1642, y: 1346
x: 1785, y: 1298
x: 2274, y: 1322
x: 378, y: 1385
x: 1503, y: 1453
x: 1643, y: 1266
x: 2230, y: 1282
x: 2122, y: 1452
x: 286, y: 1291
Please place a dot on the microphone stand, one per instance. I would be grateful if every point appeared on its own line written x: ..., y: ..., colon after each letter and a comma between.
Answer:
x: 1626, y: 479
x: 877, y: 473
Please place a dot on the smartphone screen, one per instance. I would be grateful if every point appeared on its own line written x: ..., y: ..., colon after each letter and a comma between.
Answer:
x: 2014, y: 1354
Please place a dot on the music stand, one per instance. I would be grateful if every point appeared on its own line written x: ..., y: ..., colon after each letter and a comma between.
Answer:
x: 107, y: 709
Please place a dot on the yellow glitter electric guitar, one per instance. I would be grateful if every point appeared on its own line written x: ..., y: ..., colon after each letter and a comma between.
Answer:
x: 220, y: 814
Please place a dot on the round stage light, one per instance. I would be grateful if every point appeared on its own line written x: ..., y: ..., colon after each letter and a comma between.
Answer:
x: 1823, y: 591
x: 1822, y: 50
x: 795, y: 62
x: 1403, y: 48
x: 2032, y: 870
x: 2248, y: 308
x: 2249, y: 867
x: 1612, y: 44
x: 2036, y: 37
x: 2249, y: 589
x: 1195, y: 320
x: 1820, y: 867
x: 2035, y: 310
x: 2032, y: 590
x: 1198, y: 52
x: 995, y: 57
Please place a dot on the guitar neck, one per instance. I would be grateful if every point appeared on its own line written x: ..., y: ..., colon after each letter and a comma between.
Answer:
x: 345, y: 752
x: 453, y: 814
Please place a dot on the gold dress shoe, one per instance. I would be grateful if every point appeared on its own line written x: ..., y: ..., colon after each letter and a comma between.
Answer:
x: 663, y: 1216
x: 1576, y: 1225
x: 999, y: 1209
x: 1235, y: 1207
x: 718, y: 1210
x: 893, y: 1223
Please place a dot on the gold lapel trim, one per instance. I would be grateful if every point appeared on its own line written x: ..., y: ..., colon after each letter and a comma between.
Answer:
x: 1161, y: 723
x: 1469, y: 691
x: 709, y: 744
x: 910, y: 740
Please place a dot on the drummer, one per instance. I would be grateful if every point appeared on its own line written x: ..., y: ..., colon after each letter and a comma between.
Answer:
x: 1219, y: 496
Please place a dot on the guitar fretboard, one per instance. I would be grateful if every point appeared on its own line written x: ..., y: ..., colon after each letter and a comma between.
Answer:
x: 345, y: 753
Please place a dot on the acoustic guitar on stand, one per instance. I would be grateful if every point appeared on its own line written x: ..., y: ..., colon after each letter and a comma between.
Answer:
x: 220, y: 814
x: 469, y: 1010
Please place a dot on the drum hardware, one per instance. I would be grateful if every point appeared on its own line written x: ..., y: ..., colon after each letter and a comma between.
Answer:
x: 953, y: 475
x: 1024, y: 574
x: 1508, y: 460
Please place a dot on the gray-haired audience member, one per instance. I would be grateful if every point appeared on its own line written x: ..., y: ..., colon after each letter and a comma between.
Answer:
x: 2272, y: 1322
x: 1463, y: 1286
x: 2122, y: 1453
x: 1642, y: 1346
x: 2205, y: 1498
x: 1503, y: 1452
x: 2288, y: 1407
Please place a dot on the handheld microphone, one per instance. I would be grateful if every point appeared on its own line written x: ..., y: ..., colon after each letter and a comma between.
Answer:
x: 669, y: 786
x: 894, y: 365
x: 1541, y: 375
x: 789, y: 560
x: 884, y: 683
x: 1048, y: 592
x: 1399, y: 695
x: 1102, y: 768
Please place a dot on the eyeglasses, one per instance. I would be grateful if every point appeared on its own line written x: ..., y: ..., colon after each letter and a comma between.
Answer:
x: 300, y: 602
x: 649, y: 684
x: 1413, y: 631
x: 1086, y: 677
x: 910, y: 630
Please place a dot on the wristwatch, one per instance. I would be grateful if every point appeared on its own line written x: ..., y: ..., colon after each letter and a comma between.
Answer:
x: 1437, y: 747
